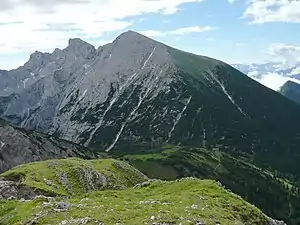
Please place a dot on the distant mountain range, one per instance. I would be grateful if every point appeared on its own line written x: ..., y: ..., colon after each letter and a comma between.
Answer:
x: 290, y: 76
x: 168, y: 112
x: 256, y: 71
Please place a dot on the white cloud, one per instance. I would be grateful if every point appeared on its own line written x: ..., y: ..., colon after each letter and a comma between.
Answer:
x: 253, y: 74
x: 179, y: 31
x: 262, y: 11
x: 284, y: 61
x: 273, y: 80
x: 287, y: 53
x: 187, y: 30
x: 27, y: 25
x: 295, y: 71
x: 231, y: 1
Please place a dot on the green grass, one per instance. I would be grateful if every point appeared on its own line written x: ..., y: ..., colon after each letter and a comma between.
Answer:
x: 74, y: 176
x: 161, y: 153
x: 175, y: 202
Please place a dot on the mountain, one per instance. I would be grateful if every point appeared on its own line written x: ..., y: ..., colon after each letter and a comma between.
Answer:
x: 136, y: 90
x: 291, y: 90
x: 108, y: 192
x: 18, y: 146
x: 135, y: 95
x: 102, y: 99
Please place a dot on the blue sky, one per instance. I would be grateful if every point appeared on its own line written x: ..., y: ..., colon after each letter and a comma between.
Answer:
x: 238, y: 31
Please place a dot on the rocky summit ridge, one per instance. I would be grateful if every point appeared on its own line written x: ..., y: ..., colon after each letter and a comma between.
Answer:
x: 79, y: 82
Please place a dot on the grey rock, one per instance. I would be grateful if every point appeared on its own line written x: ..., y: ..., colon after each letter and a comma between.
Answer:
x: 80, y: 221
x: 44, y: 198
x: 199, y: 223
x: 276, y: 222
x: 78, y: 87
x: 18, y: 146
x: 12, y: 190
x: 63, y: 205
x: 144, y: 184
x: 164, y: 223
x: 63, y: 178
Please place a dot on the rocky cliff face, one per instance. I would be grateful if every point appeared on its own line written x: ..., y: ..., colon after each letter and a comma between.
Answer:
x: 18, y: 146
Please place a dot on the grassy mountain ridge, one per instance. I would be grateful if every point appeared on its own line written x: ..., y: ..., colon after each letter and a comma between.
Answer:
x: 75, y: 176
x: 276, y: 195
x: 242, y: 117
x: 152, y: 202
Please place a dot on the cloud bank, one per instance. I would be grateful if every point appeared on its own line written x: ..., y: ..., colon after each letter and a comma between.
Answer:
x: 266, y: 11
x: 179, y: 31
x: 274, y: 81
x: 27, y: 25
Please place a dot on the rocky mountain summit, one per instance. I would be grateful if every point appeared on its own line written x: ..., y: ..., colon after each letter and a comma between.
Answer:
x: 80, y: 87
x: 110, y: 192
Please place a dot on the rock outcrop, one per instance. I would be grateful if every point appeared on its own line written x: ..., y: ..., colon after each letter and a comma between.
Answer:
x: 67, y: 177
x: 18, y: 146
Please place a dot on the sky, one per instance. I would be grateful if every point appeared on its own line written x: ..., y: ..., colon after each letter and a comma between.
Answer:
x: 235, y: 31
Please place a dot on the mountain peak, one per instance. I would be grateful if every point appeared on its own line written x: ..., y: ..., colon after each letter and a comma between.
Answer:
x: 132, y: 35
x: 291, y: 90
x: 37, y: 59
x: 292, y: 82
x: 80, y: 47
x: 77, y: 42
x: 37, y: 55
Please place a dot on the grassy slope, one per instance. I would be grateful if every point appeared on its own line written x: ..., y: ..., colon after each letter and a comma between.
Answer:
x: 275, y: 196
x: 185, y: 202
x: 74, y: 176
x: 267, y: 130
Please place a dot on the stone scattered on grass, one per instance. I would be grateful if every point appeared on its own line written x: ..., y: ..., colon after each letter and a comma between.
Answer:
x: 80, y: 221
